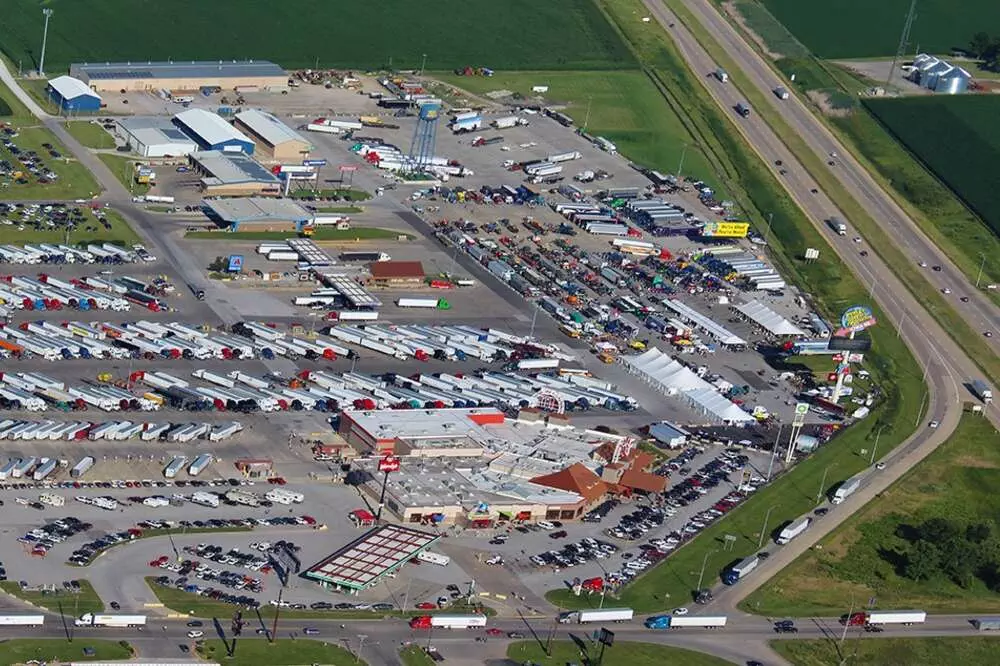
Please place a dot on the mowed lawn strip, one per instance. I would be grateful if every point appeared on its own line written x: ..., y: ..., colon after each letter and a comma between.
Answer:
x: 259, y: 652
x: 24, y: 650
x: 569, y: 34
x: 583, y: 650
x: 965, y: 650
x: 72, y: 603
x: 90, y: 134
x: 829, y: 281
x: 860, y: 559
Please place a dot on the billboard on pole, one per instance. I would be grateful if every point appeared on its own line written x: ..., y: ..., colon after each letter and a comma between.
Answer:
x: 855, y: 319
x: 389, y: 463
x: 726, y: 229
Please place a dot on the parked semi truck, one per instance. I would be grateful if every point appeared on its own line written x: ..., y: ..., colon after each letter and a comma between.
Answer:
x: 600, y: 615
x: 982, y: 390
x: 846, y: 489
x: 22, y: 620
x: 672, y: 621
x: 905, y: 618
x: 792, y: 530
x: 99, y: 620
x: 448, y: 621
x: 740, y: 570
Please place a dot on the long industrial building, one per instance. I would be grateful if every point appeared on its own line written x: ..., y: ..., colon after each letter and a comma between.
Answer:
x: 229, y: 75
x: 233, y: 175
x: 212, y: 132
x: 275, y: 141
x: 155, y: 137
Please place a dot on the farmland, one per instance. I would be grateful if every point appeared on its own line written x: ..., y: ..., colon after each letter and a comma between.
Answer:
x: 875, y: 554
x: 861, y: 28
x: 972, y: 133
x: 564, y: 34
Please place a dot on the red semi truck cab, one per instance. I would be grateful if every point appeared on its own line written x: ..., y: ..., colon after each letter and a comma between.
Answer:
x: 421, y: 622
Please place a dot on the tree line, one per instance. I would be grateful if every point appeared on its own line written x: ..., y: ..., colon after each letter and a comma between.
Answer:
x: 941, y: 548
x: 986, y: 48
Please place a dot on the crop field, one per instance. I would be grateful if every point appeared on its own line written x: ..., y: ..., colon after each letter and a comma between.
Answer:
x: 875, y: 554
x: 862, y: 28
x: 964, y: 156
x: 517, y: 34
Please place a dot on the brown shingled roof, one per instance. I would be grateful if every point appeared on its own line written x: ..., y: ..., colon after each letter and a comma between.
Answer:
x: 387, y: 270
x: 576, y: 479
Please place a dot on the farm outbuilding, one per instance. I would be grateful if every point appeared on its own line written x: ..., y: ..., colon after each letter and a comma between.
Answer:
x: 154, y: 136
x: 73, y: 95
x: 275, y: 140
x: 233, y: 175
x: 228, y: 75
x: 939, y: 75
x: 212, y: 132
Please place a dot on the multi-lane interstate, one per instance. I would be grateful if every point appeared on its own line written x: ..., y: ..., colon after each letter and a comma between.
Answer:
x: 981, y: 312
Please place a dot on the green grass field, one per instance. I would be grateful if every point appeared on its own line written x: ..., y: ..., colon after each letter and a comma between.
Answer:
x: 568, y: 34
x: 85, y: 600
x: 90, y: 134
x: 967, y: 650
x: 74, y: 181
x: 415, y: 656
x: 582, y: 650
x: 753, y: 187
x: 625, y: 107
x: 857, y: 561
x: 123, y: 168
x: 258, y: 652
x: 964, y: 156
x: 861, y: 28
x: 23, y: 650
x: 345, y: 193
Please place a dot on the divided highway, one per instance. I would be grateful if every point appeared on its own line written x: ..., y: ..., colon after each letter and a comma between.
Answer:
x: 946, y: 367
x: 980, y: 312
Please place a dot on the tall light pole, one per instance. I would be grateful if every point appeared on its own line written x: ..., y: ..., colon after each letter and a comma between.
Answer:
x: 423, y: 63
x: 47, y: 13
x: 877, y: 435
x: 774, y: 451
x: 822, y: 485
x: 680, y: 165
x: 763, y: 530
x: 704, y: 562
x: 982, y: 264
x: 586, y: 119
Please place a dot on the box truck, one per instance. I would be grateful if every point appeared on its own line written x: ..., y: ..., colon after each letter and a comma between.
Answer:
x: 740, y: 570
x: 671, y: 621
x: 600, y: 615
x: 792, y: 530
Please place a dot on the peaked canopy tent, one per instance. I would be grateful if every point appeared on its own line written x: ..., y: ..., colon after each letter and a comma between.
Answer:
x: 674, y: 378
x: 707, y: 324
x: 768, y: 319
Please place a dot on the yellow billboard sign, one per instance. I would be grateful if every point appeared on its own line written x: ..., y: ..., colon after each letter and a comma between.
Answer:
x: 726, y: 229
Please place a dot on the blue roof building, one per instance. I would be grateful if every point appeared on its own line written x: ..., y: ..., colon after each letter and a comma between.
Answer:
x: 213, y: 132
x: 73, y: 95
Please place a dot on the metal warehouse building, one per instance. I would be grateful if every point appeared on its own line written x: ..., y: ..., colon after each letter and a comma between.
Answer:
x: 258, y: 214
x: 154, y: 136
x: 275, y: 140
x: 73, y: 94
x: 233, y: 175
x: 212, y: 132
x: 228, y: 75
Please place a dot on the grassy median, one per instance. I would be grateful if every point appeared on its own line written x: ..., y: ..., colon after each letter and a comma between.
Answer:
x: 280, y: 653
x: 42, y: 650
x: 584, y: 650
x: 967, y: 650
x: 69, y: 602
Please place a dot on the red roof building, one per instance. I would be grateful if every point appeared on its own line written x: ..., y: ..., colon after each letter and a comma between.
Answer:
x: 389, y: 273
x: 576, y: 479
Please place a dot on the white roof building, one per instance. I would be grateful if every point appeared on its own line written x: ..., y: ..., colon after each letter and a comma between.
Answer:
x: 274, y: 138
x: 212, y: 132
x: 155, y: 137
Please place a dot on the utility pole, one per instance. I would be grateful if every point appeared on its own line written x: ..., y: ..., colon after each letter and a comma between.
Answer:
x: 361, y: 646
x: 552, y: 634
x: 704, y: 562
x: 47, y: 13
x: 774, y: 451
x: 277, y: 611
x: 586, y: 119
x: 982, y: 264
x: 680, y: 165
x: 423, y: 63
x: 822, y: 485
x: 877, y: 435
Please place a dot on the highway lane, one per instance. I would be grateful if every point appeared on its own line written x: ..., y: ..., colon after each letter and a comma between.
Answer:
x: 981, y: 312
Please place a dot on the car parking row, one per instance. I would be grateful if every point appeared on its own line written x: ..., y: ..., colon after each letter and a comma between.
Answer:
x: 239, y: 600
x: 132, y: 483
x: 573, y: 554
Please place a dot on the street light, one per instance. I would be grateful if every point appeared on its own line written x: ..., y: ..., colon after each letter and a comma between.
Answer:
x: 763, y: 530
x: 704, y: 562
x: 982, y: 264
x: 47, y: 13
x: 877, y: 435
x: 822, y: 485
x: 423, y: 63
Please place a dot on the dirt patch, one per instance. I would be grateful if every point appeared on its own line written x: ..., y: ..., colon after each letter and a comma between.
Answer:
x: 978, y: 463
x: 822, y: 100
x: 734, y: 13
